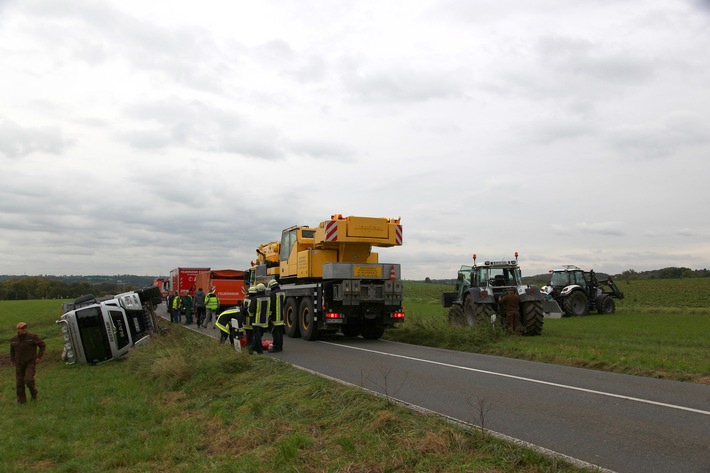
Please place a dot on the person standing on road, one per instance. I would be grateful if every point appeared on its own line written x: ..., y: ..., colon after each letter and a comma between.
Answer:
x: 276, y: 319
x: 200, y: 306
x: 211, y: 307
x: 259, y: 311
x: 511, y: 304
x: 187, y: 308
x: 24, y: 355
x: 177, y: 309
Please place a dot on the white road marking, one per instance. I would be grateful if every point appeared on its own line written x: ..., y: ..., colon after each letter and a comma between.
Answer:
x: 530, y: 380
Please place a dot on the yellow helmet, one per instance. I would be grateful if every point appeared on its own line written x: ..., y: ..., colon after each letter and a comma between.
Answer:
x: 273, y: 282
x: 260, y: 288
x: 252, y: 290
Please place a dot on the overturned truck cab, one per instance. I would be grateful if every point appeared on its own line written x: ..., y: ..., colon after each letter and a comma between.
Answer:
x: 97, y: 330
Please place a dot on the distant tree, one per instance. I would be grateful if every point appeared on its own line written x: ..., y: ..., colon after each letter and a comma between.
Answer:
x: 427, y: 280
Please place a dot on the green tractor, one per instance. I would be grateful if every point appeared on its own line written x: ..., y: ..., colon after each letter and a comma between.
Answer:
x: 479, y: 288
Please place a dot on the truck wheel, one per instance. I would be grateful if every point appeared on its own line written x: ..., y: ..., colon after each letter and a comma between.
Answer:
x: 351, y: 330
x: 309, y: 331
x: 576, y: 304
x: 606, y: 305
x: 291, y: 318
x: 476, y: 313
x: 456, y: 315
x: 372, y: 331
x: 533, y: 318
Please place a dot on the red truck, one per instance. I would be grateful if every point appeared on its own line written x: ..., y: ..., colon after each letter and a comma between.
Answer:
x: 227, y: 284
x: 183, y: 280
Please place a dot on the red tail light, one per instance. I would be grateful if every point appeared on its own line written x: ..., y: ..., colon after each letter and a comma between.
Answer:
x: 332, y: 315
x: 398, y: 315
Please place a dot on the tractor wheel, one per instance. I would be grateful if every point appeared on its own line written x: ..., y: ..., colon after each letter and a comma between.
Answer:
x: 606, y: 305
x: 291, y: 318
x: 456, y: 315
x: 576, y: 304
x: 533, y: 318
x: 477, y: 313
x: 307, y: 324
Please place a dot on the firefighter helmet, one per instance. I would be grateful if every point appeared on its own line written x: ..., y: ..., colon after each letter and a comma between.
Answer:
x: 252, y: 290
x: 260, y: 288
x: 273, y: 282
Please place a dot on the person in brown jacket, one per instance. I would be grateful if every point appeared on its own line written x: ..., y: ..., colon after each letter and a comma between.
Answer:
x: 24, y: 355
x: 511, y: 304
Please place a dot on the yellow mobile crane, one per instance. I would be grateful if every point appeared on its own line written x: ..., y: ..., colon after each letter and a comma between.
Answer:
x: 331, y: 278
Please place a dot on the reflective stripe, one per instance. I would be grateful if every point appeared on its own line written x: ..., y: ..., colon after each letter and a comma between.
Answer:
x: 261, y: 314
x: 278, y: 316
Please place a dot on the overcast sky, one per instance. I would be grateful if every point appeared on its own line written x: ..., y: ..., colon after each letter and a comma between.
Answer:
x: 137, y: 136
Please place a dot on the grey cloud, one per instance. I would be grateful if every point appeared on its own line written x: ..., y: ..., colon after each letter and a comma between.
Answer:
x: 401, y: 85
x: 582, y: 58
x: 662, y: 138
x: 601, y: 228
x: 19, y: 141
x: 94, y: 31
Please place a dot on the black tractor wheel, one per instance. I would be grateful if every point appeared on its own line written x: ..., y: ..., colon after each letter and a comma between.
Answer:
x: 306, y: 316
x: 456, y: 316
x: 476, y: 313
x: 606, y: 305
x: 533, y: 318
x: 291, y: 318
x: 576, y: 304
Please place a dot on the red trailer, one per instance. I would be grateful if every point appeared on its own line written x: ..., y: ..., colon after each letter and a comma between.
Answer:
x: 183, y: 280
x: 227, y: 284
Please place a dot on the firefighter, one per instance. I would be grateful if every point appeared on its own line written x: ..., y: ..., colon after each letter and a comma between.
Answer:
x: 276, y: 319
x: 211, y: 307
x: 259, y: 312
x: 230, y: 325
x: 511, y: 304
x: 248, y: 329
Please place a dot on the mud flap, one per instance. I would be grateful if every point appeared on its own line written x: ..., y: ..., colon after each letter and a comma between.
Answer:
x: 552, y: 309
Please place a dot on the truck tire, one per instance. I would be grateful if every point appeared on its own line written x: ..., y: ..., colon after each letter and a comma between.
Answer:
x: 476, y: 313
x: 456, y: 316
x: 576, y: 304
x: 372, y: 331
x: 306, y: 316
x: 533, y: 318
x: 351, y: 329
x: 605, y: 304
x: 291, y: 318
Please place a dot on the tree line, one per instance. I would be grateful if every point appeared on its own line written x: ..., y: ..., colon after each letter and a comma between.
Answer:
x: 41, y: 287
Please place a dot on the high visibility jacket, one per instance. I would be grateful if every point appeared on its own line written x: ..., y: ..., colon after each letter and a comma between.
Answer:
x: 229, y: 319
x: 212, y: 301
x: 177, y: 302
x: 247, y: 314
x: 259, y: 310
x: 276, y: 316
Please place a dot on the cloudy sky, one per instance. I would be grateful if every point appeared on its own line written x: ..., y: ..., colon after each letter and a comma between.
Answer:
x: 141, y: 135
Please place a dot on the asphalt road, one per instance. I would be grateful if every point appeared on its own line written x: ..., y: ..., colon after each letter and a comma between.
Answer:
x: 622, y: 423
